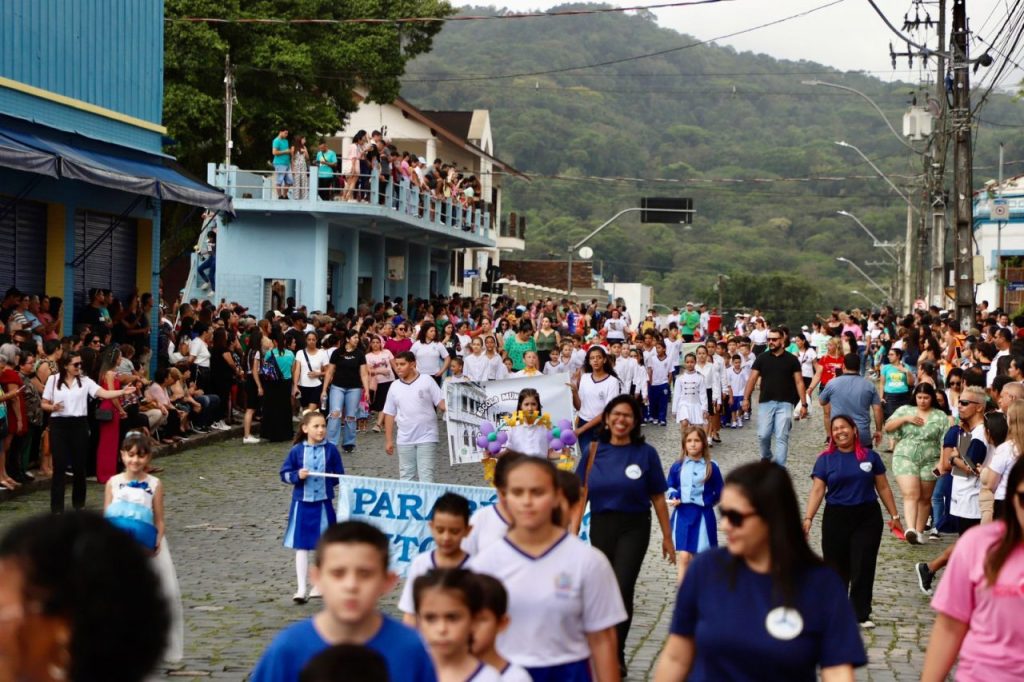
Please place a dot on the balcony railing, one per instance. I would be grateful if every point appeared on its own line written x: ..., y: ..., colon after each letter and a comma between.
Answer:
x: 402, y: 199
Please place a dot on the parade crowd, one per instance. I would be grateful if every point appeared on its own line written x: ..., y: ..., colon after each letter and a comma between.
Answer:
x: 509, y: 591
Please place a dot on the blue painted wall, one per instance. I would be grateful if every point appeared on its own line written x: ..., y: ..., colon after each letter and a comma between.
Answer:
x: 104, y: 52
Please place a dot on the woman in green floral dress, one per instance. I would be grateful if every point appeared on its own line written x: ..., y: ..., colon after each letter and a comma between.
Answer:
x: 918, y: 429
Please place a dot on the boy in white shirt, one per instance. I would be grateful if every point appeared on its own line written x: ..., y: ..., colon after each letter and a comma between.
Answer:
x: 411, y: 404
x: 736, y: 382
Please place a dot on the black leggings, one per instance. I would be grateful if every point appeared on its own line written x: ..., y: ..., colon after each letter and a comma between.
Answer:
x: 69, y: 441
x: 850, y: 538
x: 623, y: 538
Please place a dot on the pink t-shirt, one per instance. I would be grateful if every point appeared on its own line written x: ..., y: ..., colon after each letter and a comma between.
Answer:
x: 993, y: 650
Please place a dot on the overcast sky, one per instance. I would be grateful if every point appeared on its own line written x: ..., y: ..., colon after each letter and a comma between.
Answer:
x: 848, y: 36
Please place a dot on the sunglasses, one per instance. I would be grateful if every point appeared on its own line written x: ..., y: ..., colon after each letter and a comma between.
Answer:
x: 965, y: 403
x: 74, y: 364
x: 774, y: 338
x: 955, y: 384
x: 735, y: 518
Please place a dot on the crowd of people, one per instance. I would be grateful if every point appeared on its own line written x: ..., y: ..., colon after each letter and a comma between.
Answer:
x: 510, y: 592
x: 348, y: 178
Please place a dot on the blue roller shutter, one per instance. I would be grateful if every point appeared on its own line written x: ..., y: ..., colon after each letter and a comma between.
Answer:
x: 111, y: 265
x: 23, y: 256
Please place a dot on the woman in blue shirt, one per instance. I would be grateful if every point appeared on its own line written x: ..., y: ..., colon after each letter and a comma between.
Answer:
x: 625, y: 478
x: 851, y: 478
x: 763, y: 607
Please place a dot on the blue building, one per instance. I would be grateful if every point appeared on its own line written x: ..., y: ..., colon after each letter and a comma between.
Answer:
x: 999, y: 238
x: 326, y: 252
x: 82, y: 174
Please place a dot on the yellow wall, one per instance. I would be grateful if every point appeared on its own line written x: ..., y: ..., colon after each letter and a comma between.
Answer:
x: 55, y: 223
x: 144, y: 257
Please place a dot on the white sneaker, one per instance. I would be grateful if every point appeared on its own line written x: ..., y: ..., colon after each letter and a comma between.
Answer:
x: 251, y: 440
x: 220, y: 426
x: 300, y: 597
x: 867, y: 624
x: 315, y: 593
x: 204, y: 285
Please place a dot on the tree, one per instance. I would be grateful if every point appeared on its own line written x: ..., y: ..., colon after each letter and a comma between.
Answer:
x: 295, y: 75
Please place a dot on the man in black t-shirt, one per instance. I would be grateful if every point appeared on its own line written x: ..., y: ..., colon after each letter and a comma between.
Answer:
x: 782, y: 387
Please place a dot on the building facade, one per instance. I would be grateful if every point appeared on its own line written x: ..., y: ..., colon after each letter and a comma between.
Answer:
x: 1000, y: 243
x: 82, y: 175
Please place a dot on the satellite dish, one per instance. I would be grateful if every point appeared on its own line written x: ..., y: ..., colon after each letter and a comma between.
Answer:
x: 586, y: 252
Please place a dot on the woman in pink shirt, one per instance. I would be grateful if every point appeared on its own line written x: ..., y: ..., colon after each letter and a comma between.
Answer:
x: 980, y: 600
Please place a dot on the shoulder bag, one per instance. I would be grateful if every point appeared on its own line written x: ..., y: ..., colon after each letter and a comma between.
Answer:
x: 269, y: 371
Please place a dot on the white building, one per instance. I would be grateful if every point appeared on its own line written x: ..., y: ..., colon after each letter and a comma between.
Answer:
x: 1001, y: 240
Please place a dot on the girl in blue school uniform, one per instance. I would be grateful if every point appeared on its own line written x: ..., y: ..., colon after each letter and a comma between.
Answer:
x: 312, y: 508
x: 694, y: 488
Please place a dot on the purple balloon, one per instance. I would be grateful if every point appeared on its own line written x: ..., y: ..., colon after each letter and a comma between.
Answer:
x: 494, y: 448
x: 556, y: 444
x: 564, y: 424
x: 481, y: 441
x: 486, y: 428
x: 503, y: 437
x: 568, y: 437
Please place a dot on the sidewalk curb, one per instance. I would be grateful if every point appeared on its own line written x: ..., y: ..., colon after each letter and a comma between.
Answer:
x: 197, y: 440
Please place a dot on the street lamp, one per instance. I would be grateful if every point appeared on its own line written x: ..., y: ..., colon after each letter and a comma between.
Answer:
x: 869, y: 101
x: 866, y: 275
x: 886, y: 247
x: 843, y: 143
x: 865, y: 297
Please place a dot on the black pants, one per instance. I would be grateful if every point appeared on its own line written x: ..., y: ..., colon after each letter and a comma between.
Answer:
x: 623, y: 538
x: 69, y: 438
x: 850, y: 538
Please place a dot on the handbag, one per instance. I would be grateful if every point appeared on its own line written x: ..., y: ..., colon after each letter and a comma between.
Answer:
x: 584, y: 489
x: 269, y: 371
x: 104, y: 414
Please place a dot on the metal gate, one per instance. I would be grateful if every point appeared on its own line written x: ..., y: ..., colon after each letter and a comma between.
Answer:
x: 112, y: 263
x: 23, y: 250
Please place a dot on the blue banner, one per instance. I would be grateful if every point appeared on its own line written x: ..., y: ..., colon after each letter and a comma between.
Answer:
x: 401, y: 510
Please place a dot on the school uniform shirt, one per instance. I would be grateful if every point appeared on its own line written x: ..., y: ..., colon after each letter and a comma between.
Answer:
x: 312, y: 362
x: 661, y: 369
x: 496, y: 368
x: 464, y: 341
x: 488, y: 526
x: 674, y: 349
x: 623, y: 478
x: 529, y: 439
x: 594, y: 395
x: 515, y: 673
x: 737, y: 381
x: 430, y: 357
x: 848, y: 481
x: 475, y: 367
x: 413, y: 405
x: 552, y: 367
x: 993, y: 649
x: 401, y: 647
x: 554, y: 599
x: 742, y: 633
x: 579, y: 358
x: 420, y: 565
x: 712, y: 380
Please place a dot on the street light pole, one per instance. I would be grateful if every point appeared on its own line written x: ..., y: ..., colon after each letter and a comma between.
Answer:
x: 872, y: 103
x: 608, y: 222
x: 885, y: 246
x: 866, y: 275
x: 866, y: 298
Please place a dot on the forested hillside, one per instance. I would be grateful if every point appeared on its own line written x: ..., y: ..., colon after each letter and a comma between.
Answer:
x: 737, y: 132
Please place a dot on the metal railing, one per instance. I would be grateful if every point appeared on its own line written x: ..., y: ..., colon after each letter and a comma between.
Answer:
x: 403, y: 198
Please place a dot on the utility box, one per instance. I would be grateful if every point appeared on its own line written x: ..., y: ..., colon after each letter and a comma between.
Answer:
x: 917, y: 123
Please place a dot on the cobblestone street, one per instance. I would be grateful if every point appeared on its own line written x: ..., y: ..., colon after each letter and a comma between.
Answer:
x: 226, y: 514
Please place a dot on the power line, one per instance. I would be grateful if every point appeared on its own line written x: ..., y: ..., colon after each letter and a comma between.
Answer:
x: 434, y: 20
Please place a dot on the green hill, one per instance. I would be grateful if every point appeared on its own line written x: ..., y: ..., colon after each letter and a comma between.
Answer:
x: 737, y: 132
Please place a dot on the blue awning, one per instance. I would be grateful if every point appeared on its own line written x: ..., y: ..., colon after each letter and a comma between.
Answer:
x: 34, y: 148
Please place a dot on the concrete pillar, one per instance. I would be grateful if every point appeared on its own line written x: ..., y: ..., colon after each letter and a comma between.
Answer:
x: 419, y: 270
x: 317, y: 297
x: 379, y: 265
x: 431, y: 150
x: 69, y: 271
x: 154, y: 276
x: 350, y: 270
x: 444, y: 280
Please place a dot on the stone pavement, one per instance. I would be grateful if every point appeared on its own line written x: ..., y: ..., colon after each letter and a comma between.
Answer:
x: 226, y: 513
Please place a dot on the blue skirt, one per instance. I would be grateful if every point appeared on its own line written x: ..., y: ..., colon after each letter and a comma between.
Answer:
x: 306, y: 522
x: 578, y: 671
x: 691, y: 530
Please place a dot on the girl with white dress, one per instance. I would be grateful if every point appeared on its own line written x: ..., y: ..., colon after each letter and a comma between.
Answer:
x: 134, y: 502
x: 707, y: 368
x: 529, y: 436
x: 690, y: 395
x: 475, y: 363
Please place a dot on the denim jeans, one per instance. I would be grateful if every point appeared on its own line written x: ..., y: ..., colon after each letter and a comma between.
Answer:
x: 211, y: 409
x: 774, y: 417
x: 207, y: 271
x: 941, y: 498
x: 416, y: 462
x: 344, y: 404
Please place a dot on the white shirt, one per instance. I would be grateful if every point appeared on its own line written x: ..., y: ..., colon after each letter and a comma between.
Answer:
x: 515, y: 673
x: 554, y: 599
x: 496, y: 368
x: 430, y: 357
x: 993, y: 370
x: 1002, y: 461
x: 413, y: 407
x: 661, y: 369
x: 487, y: 527
x: 616, y: 328
x: 553, y: 367
x: 420, y: 565
x: 475, y: 367
x: 594, y: 395
x: 311, y: 362
x: 464, y: 341
x: 737, y: 381
x: 75, y: 399
x: 964, y: 496
x: 673, y: 349
x: 529, y: 439
x: 807, y: 358
x: 579, y: 358
x: 712, y: 380
x: 759, y: 337
x: 198, y: 349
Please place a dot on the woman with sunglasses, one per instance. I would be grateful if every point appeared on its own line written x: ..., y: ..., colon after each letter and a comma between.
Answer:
x: 764, y: 591
x: 851, y: 478
x: 918, y: 430
x: 66, y: 397
x: 979, y: 624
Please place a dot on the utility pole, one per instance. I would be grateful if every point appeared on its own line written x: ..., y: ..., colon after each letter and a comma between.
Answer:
x: 229, y: 103
x: 963, y: 180
x: 721, y: 292
x: 936, y: 172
